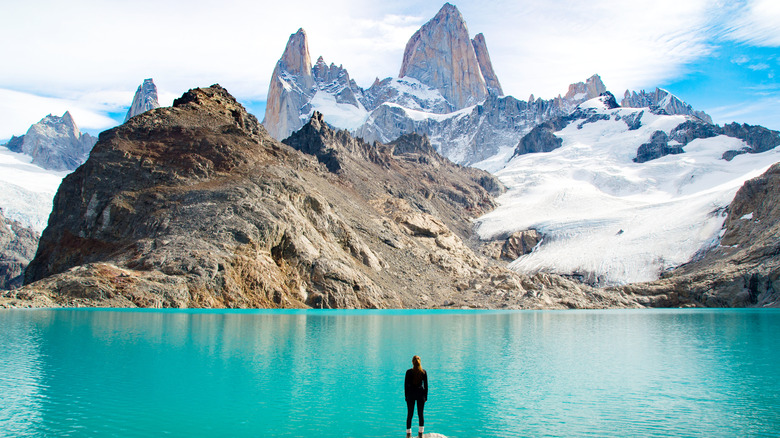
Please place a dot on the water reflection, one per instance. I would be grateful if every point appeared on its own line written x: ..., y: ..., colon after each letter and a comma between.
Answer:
x: 499, y: 374
x: 20, y: 375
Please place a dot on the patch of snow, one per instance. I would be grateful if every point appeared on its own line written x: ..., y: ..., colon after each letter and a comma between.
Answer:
x: 411, y: 86
x: 747, y: 216
x: 595, y: 103
x: 581, y: 195
x: 340, y: 115
x: 498, y: 161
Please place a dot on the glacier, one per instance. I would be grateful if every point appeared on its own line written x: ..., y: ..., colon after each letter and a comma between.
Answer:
x: 26, y: 189
x: 608, y: 220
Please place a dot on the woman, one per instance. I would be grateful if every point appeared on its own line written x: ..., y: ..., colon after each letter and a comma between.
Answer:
x: 415, y: 389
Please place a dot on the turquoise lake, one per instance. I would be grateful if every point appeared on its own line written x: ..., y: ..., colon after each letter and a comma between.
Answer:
x: 340, y: 373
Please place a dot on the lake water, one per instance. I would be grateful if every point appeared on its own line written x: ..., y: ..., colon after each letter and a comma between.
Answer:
x: 340, y: 373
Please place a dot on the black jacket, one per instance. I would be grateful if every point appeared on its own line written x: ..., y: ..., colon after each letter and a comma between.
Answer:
x: 416, y: 385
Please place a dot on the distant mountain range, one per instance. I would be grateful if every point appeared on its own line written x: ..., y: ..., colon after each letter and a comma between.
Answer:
x: 446, y: 89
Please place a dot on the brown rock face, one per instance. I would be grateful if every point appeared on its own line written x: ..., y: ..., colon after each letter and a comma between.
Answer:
x: 485, y: 66
x: 520, y: 243
x: 744, y: 270
x: 441, y: 55
x: 582, y: 91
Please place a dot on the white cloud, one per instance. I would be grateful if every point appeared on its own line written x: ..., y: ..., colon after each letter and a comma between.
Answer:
x: 541, y: 47
x: 758, y: 23
x: 19, y: 110
x: 72, y: 50
x: 758, y: 67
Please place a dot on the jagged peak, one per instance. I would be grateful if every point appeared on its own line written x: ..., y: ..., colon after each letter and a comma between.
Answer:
x: 663, y: 100
x: 145, y: 99
x: 582, y: 91
x: 317, y: 121
x: 449, y: 10
x: 486, y: 65
x: 441, y: 55
x: 296, y: 59
x: 413, y: 143
x: 68, y: 118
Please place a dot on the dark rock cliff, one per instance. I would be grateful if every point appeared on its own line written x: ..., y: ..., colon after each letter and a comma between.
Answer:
x: 197, y: 206
x: 657, y: 147
x: 17, y: 248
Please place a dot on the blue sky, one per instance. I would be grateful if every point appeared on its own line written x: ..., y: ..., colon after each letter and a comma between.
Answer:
x: 88, y: 56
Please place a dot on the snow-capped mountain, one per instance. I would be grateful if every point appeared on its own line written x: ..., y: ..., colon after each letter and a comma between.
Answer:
x: 54, y: 143
x: 144, y: 100
x: 446, y: 89
x: 609, y: 217
x: 662, y: 101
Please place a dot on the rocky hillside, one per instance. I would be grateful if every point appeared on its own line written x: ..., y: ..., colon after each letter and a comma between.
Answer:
x: 197, y: 206
x: 743, y: 270
x: 17, y: 247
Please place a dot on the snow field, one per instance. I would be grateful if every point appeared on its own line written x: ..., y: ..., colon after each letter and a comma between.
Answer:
x: 609, y: 219
x: 26, y: 190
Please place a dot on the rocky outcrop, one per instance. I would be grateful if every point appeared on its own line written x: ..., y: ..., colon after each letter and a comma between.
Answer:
x: 520, y: 243
x: 197, y: 206
x: 690, y: 130
x: 17, y: 248
x: 486, y: 66
x: 582, y: 91
x: 657, y: 147
x: 54, y: 143
x: 757, y: 138
x: 542, y: 138
x: 145, y: 99
x: 441, y: 55
x: 743, y: 270
x: 662, y: 102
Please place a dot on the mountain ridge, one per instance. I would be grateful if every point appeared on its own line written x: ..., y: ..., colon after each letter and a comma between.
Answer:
x: 197, y: 206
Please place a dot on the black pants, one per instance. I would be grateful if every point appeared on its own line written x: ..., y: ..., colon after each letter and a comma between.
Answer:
x: 410, y: 411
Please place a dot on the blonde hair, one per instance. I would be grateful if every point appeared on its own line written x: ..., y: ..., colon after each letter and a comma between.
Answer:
x: 417, y: 364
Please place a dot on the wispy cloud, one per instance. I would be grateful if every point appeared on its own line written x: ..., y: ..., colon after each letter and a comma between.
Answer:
x: 19, y: 110
x: 761, y: 111
x: 758, y: 67
x: 757, y: 23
